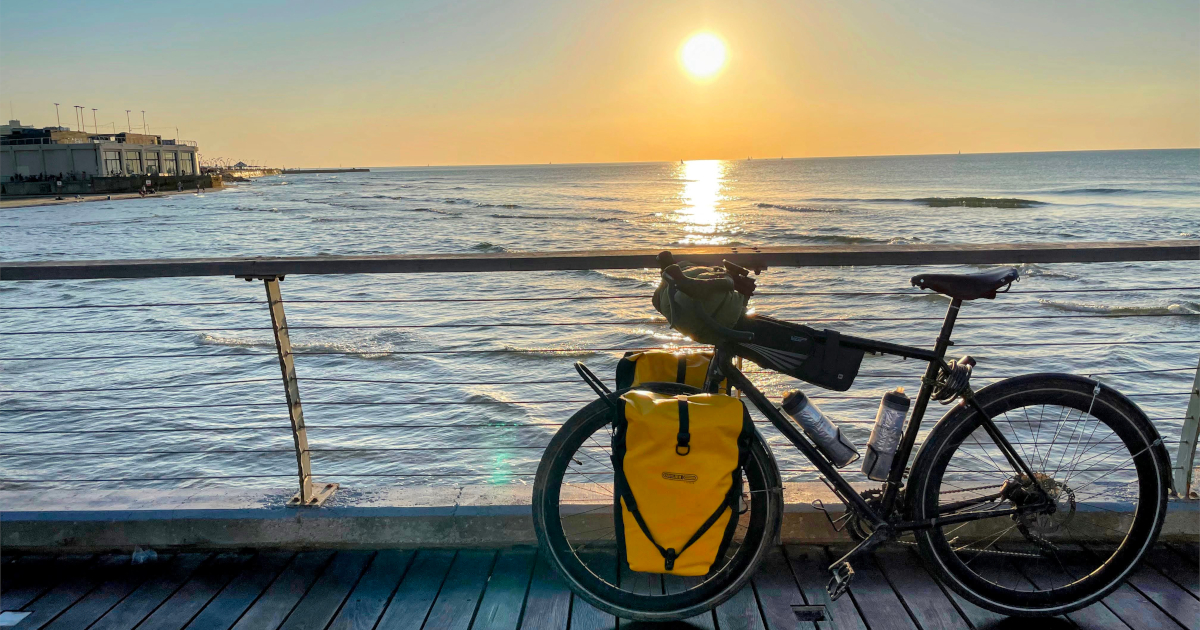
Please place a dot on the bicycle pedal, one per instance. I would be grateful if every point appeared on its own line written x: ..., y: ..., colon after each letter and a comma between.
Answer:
x: 840, y: 582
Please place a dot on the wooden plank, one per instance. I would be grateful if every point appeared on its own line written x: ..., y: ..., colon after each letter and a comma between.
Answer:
x: 585, y: 616
x: 417, y: 591
x: 233, y: 600
x: 1190, y: 550
x: 878, y: 604
x: 740, y: 612
x: 1186, y: 575
x: 323, y: 600
x: 677, y: 584
x: 921, y: 594
x: 811, y: 570
x: 29, y: 577
x: 461, y: 592
x: 170, y: 602
x: 760, y: 257
x: 777, y: 592
x: 1137, y: 611
x: 45, y: 608
x: 373, y: 592
x: 285, y: 592
x: 505, y: 595
x: 116, y: 585
x: 1095, y: 616
x: 548, y: 603
x: 1170, y: 597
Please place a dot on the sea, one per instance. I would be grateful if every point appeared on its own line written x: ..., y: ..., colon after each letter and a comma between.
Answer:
x: 405, y: 382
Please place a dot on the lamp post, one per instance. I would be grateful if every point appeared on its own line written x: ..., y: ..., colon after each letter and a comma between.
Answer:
x: 95, y: 125
x: 127, y: 123
x: 79, y: 111
x: 144, y: 128
x: 56, y: 116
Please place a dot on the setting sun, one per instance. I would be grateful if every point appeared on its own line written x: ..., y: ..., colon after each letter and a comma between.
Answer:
x: 703, y: 55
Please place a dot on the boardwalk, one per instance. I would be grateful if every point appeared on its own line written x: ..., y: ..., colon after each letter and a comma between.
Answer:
x: 511, y: 589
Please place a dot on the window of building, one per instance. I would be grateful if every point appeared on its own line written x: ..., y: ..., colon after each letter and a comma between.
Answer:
x: 133, y: 162
x: 169, y: 166
x: 112, y: 163
x: 186, y: 163
x: 152, y: 163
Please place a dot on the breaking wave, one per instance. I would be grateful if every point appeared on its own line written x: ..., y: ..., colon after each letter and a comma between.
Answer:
x: 1185, y: 308
x: 787, y: 208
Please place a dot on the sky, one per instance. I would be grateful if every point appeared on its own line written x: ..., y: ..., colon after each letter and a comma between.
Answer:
x: 396, y: 82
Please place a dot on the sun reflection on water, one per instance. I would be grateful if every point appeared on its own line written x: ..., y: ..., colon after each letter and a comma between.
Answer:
x: 701, y: 214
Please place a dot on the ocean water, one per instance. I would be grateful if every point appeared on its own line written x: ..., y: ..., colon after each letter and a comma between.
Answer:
x: 392, y: 378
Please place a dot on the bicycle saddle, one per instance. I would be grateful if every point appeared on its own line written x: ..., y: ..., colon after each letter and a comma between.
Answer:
x: 967, y: 286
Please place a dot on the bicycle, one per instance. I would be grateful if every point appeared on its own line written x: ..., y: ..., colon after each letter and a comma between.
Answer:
x: 1002, y: 478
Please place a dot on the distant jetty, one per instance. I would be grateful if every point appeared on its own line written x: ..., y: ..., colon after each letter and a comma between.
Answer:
x: 303, y: 171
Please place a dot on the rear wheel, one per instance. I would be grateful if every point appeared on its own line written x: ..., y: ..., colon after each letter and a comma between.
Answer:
x: 1096, y: 457
x: 573, y: 516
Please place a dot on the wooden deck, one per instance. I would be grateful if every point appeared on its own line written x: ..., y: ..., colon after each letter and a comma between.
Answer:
x: 511, y: 589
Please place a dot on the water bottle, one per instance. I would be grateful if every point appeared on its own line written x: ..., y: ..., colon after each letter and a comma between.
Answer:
x: 885, y: 437
x: 828, y: 438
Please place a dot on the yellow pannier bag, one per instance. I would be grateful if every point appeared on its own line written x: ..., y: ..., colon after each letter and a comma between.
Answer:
x: 678, y: 478
x: 660, y: 366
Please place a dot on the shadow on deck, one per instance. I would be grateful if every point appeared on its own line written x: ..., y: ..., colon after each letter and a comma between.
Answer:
x: 511, y: 589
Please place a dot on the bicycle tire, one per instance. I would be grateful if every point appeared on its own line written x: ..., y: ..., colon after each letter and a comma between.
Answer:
x: 1064, y: 564
x: 679, y: 598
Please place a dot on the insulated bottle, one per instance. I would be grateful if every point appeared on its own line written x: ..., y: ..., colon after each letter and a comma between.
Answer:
x: 828, y: 438
x: 885, y: 436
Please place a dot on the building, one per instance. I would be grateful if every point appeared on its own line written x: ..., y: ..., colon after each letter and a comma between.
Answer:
x: 31, y: 152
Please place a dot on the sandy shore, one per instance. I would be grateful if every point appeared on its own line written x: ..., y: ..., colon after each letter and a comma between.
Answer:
x: 51, y: 201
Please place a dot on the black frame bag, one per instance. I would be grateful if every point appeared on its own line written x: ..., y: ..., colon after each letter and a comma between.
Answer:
x: 815, y: 356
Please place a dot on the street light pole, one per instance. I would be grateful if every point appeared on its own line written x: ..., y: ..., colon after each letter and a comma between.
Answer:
x: 56, y: 116
x: 95, y: 125
x: 79, y: 117
x: 127, y: 123
x: 144, y: 128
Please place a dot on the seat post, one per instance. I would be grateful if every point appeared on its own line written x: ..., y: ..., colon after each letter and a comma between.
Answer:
x: 891, y: 488
x: 943, y: 340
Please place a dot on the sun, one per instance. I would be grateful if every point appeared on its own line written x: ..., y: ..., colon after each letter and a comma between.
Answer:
x: 703, y: 55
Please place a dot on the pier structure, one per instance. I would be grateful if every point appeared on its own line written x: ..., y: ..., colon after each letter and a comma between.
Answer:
x: 459, y: 555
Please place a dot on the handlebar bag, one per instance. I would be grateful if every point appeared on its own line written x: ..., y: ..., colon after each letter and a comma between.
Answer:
x: 725, y: 306
x: 815, y: 356
x: 660, y: 366
x: 678, y: 479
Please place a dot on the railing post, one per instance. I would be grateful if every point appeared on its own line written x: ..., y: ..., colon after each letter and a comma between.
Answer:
x: 1185, y: 459
x: 308, y: 495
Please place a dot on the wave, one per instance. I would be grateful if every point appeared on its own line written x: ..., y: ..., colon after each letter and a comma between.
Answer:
x: 780, y: 206
x: 649, y: 280
x: 550, y: 353
x: 448, y: 213
x: 488, y: 248
x: 1097, y: 191
x: 977, y: 202
x: 367, y: 349
x: 1185, y: 308
x: 510, y: 206
x: 837, y: 239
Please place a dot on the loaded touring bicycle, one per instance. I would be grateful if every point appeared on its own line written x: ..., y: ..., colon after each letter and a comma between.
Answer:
x: 1033, y: 496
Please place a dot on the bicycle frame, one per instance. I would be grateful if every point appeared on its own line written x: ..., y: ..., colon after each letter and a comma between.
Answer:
x: 724, y: 368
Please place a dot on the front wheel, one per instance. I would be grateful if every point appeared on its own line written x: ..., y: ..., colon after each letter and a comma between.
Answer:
x: 573, y: 516
x: 1103, y: 474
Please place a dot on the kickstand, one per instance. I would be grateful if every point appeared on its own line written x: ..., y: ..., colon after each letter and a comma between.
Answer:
x: 595, y: 383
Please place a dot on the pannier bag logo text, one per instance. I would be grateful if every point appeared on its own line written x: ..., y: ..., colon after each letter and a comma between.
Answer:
x: 670, y: 476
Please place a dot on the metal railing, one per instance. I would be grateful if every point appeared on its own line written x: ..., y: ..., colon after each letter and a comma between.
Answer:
x: 40, y: 417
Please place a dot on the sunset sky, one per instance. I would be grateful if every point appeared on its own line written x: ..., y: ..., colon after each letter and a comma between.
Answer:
x: 485, y: 82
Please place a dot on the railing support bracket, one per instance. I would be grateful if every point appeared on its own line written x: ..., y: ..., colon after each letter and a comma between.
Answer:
x: 310, y: 495
x: 1185, y: 459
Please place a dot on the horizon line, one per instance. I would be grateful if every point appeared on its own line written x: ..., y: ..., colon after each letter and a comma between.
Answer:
x: 752, y: 158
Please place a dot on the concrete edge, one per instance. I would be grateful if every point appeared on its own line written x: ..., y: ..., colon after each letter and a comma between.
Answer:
x: 467, y: 516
